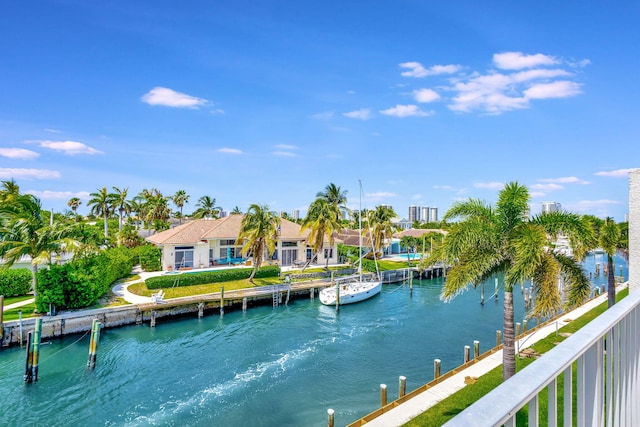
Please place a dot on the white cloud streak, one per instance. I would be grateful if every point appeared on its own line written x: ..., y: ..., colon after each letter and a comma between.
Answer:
x: 70, y: 148
x: 519, y: 60
x: 59, y: 195
x: 405, y: 111
x: 226, y: 150
x: 416, y: 69
x: 425, y: 95
x: 20, y: 173
x: 547, y: 187
x: 284, y: 154
x: 362, y: 114
x: 564, y: 180
x: 618, y: 173
x: 489, y: 185
x: 170, y: 98
x: 18, y: 153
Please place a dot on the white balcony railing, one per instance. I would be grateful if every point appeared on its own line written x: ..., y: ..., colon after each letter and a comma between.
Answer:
x: 607, y: 355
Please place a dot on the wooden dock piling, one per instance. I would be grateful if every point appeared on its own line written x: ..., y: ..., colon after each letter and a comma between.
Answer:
x: 436, y: 368
x: 152, y: 323
x: 37, y: 333
x: 476, y: 349
x: 221, y: 301
x: 402, y: 386
x: 383, y: 394
x: 330, y: 418
x: 498, y: 337
x: 200, y: 310
x: 93, y: 343
x: 1, y: 317
x: 467, y: 353
x: 244, y: 304
x: 28, y: 369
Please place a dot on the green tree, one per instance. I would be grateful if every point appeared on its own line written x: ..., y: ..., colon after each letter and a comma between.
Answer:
x: 73, y: 203
x: 206, y: 208
x: 180, y: 199
x: 610, y: 240
x: 236, y: 211
x: 335, y: 196
x: 153, y: 207
x: 501, y: 242
x: 380, y: 227
x: 9, y: 191
x: 118, y: 201
x: 25, y: 232
x: 100, y: 204
x: 323, y: 221
x: 259, y: 234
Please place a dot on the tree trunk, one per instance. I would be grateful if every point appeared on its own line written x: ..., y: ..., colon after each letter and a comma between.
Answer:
x: 106, y: 227
x: 34, y: 282
x: 508, y: 349
x: 611, y: 282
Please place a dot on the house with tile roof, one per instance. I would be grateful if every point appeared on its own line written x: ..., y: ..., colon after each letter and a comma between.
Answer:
x: 204, y: 243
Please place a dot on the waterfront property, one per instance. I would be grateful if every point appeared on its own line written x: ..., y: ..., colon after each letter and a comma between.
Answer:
x: 209, y: 242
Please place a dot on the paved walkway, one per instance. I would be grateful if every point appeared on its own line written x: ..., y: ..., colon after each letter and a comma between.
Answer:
x: 405, y: 412
x: 18, y: 304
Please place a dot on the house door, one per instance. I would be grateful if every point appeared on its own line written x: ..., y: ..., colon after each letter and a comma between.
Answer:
x: 183, y: 256
x: 289, y: 256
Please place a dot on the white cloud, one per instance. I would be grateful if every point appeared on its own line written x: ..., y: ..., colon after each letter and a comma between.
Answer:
x: 558, y: 89
x: 18, y: 153
x: 362, y: 114
x: 618, y: 173
x: 489, y: 185
x: 63, y: 195
x: 565, y: 180
x: 425, y: 95
x: 284, y: 154
x: 19, y: 173
x: 52, y: 130
x: 381, y: 195
x: 70, y: 148
x: 405, y: 111
x: 217, y: 112
x: 170, y: 98
x: 286, y: 147
x: 547, y: 187
x: 519, y: 60
x: 416, y: 69
x: 230, y: 151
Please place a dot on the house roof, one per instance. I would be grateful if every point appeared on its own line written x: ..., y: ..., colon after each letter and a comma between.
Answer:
x: 418, y: 232
x: 214, y: 229
x: 351, y: 237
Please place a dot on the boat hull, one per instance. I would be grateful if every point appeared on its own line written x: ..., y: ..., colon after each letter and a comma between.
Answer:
x: 350, y: 292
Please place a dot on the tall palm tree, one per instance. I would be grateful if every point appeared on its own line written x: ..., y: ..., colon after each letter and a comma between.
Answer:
x: 323, y: 221
x: 236, y: 211
x: 259, y: 233
x: 118, y: 200
x: 9, y: 191
x: 501, y: 242
x: 100, y: 203
x: 25, y: 232
x: 73, y: 203
x: 334, y: 195
x: 180, y: 199
x: 380, y: 227
x: 206, y: 208
x: 609, y: 239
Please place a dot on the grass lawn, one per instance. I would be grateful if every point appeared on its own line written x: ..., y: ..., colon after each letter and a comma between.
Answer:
x: 11, y: 300
x: 457, y: 402
x: 27, y: 311
x: 185, y: 291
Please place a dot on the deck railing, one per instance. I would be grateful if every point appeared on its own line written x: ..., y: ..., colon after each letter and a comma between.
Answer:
x: 606, y: 354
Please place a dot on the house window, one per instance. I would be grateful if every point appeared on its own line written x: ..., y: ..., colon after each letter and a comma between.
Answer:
x: 227, y: 242
x: 289, y: 244
x: 328, y: 253
x: 183, y: 256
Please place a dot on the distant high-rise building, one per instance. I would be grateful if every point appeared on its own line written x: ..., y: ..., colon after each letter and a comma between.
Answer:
x: 414, y: 213
x: 223, y: 214
x: 295, y: 214
x: 424, y: 214
x: 433, y: 215
x: 548, y: 207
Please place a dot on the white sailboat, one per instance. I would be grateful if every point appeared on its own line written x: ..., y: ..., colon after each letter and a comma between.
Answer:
x: 354, y: 291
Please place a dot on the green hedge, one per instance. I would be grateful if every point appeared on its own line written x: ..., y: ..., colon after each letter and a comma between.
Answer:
x: 15, y: 282
x: 149, y: 257
x: 214, y: 276
x: 80, y: 283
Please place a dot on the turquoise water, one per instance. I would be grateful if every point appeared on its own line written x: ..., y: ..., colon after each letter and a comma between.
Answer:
x: 266, y: 367
x: 408, y: 256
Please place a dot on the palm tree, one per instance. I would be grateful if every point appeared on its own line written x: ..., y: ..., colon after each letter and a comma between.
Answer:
x: 500, y: 242
x: 25, y: 232
x: 180, y: 199
x: 100, y: 203
x: 236, y: 211
x: 609, y: 240
x: 259, y: 232
x: 323, y: 219
x: 206, y: 208
x: 119, y: 202
x: 380, y: 227
x: 9, y: 191
x: 73, y: 203
x: 335, y: 196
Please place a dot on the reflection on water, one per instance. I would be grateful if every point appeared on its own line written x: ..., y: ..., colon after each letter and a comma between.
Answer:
x: 266, y: 367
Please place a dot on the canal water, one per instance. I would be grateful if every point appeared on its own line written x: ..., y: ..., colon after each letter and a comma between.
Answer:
x: 281, y: 366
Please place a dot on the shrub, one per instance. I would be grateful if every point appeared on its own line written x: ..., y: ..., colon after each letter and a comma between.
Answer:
x: 15, y: 282
x: 149, y: 257
x: 215, y: 276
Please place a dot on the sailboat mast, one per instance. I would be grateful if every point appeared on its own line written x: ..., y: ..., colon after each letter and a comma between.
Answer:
x: 360, y: 232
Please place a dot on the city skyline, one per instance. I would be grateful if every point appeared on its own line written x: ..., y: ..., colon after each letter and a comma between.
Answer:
x: 425, y: 104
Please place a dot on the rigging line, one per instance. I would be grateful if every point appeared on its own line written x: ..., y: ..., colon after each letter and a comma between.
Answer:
x: 62, y: 349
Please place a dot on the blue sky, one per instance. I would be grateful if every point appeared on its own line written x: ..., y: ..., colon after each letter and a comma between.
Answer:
x: 269, y: 101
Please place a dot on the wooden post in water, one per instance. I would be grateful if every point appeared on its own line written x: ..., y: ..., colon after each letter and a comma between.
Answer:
x: 221, y: 301
x: 244, y: 304
x: 498, y: 337
x: 200, y: 310
x: 496, y: 289
x: 482, y: 293
x: 37, y: 333
x: 402, y: 386
x: 330, y: 418
x: 28, y: 369
x: 467, y: 353
x: 476, y: 349
x: 436, y: 368
x: 311, y: 294
x: 337, y: 295
x: 383, y: 394
x: 152, y: 323
x: 524, y: 326
x: 517, y: 328
x: 20, y: 326
x: 93, y: 343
